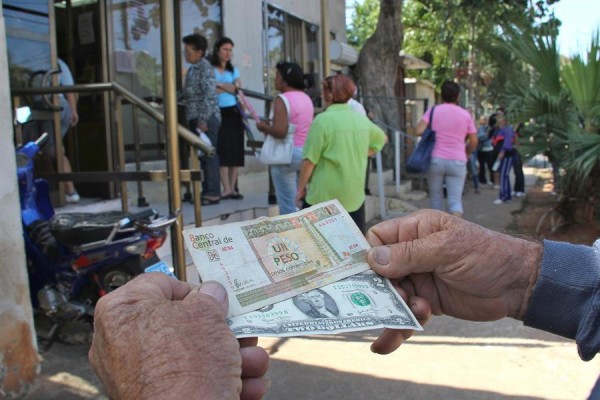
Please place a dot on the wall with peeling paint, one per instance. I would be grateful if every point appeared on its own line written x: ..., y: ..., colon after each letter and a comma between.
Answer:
x: 19, y: 360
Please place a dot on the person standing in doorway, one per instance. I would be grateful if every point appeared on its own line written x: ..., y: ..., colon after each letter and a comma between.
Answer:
x: 68, y: 118
x: 202, y: 110
x: 231, y: 134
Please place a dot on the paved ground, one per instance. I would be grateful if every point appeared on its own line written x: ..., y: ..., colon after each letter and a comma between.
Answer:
x: 451, y: 359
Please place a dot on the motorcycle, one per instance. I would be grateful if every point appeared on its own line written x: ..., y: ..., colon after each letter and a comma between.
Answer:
x: 74, y: 259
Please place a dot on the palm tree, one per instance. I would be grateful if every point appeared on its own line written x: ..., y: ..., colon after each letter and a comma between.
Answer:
x: 582, y: 79
x: 562, y: 103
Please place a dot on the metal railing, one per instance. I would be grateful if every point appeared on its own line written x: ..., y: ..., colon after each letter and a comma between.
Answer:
x: 400, y: 143
x: 192, y: 175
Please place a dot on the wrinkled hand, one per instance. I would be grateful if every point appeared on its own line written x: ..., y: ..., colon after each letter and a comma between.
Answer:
x: 454, y: 267
x: 157, y: 337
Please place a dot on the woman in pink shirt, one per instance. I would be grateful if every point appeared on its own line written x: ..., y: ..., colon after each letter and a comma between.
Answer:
x: 452, y: 125
x: 293, y: 112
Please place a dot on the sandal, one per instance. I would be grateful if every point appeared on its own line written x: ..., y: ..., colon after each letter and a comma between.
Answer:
x: 209, y: 202
x: 236, y: 196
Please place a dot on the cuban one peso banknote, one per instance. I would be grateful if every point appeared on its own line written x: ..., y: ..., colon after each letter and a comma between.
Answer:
x: 268, y: 260
x: 360, y: 302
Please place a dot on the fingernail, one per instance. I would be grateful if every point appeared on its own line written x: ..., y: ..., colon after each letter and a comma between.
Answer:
x: 381, y: 254
x: 214, y: 290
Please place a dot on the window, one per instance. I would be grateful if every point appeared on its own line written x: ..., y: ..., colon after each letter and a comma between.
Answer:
x: 27, y: 39
x: 291, y: 39
x: 138, y: 54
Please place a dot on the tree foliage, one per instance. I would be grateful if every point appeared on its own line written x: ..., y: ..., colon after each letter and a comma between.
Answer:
x: 562, y: 102
x: 364, y: 22
x: 458, y: 38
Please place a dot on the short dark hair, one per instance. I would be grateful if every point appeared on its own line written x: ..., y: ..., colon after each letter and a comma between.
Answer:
x: 291, y: 73
x: 197, y: 41
x: 450, y: 92
x: 214, y: 57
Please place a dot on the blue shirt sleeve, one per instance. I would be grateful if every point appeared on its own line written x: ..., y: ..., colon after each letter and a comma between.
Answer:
x: 566, y: 297
x: 66, y: 78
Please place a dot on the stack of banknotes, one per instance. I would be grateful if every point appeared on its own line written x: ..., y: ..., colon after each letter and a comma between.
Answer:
x: 297, y: 274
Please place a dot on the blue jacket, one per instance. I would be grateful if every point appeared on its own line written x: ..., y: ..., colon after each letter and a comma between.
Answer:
x: 566, y: 297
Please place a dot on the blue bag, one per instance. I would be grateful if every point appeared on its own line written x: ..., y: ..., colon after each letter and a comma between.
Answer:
x: 420, y: 159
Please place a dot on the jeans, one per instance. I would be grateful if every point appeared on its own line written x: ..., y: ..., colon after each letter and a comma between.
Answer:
x: 473, y: 169
x: 505, y: 167
x: 486, y: 161
x: 211, y: 184
x: 285, y: 180
x: 453, y: 172
x: 518, y: 169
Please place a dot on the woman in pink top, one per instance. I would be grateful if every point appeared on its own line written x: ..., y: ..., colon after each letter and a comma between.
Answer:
x: 452, y: 125
x: 289, y: 81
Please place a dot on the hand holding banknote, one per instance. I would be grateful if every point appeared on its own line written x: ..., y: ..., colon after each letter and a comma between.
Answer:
x: 268, y: 260
x: 446, y: 265
x: 157, y: 337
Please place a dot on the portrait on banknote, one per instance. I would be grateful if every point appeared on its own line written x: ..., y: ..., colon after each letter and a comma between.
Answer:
x: 317, y: 304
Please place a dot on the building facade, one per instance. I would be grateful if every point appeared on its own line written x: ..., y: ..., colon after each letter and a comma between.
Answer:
x: 120, y: 41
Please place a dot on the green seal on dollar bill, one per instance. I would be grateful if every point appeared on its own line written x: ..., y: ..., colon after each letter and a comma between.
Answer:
x: 360, y: 299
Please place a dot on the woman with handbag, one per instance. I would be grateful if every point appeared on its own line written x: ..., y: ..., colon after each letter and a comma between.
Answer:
x: 293, y: 114
x: 452, y: 125
x: 336, y: 150
x: 230, y: 147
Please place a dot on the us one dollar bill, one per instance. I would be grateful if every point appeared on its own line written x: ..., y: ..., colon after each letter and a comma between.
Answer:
x: 360, y: 302
x: 268, y: 260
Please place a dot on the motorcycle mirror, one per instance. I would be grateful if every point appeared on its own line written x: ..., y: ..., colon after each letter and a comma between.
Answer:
x: 22, y: 114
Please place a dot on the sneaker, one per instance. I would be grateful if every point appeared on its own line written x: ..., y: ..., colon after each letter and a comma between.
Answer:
x: 498, y: 201
x: 72, y: 198
x: 519, y: 194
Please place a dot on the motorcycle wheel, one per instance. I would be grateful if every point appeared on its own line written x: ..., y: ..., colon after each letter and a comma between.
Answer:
x: 113, y: 277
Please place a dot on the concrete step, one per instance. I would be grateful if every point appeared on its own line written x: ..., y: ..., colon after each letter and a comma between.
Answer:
x: 393, y: 206
x: 406, y: 189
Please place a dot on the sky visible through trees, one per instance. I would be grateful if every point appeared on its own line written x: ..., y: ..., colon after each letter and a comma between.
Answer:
x: 579, y: 19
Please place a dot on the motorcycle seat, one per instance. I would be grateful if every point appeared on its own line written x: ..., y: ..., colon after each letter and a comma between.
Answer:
x: 75, y: 229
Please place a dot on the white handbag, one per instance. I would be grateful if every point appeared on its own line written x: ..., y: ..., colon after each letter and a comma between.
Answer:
x: 279, y: 151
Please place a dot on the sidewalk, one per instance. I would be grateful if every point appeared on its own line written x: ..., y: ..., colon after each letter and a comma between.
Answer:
x: 479, y: 207
x: 450, y: 359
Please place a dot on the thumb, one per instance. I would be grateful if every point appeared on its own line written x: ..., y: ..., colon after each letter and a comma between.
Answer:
x: 397, y: 260
x: 214, y: 290
x: 379, y: 261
